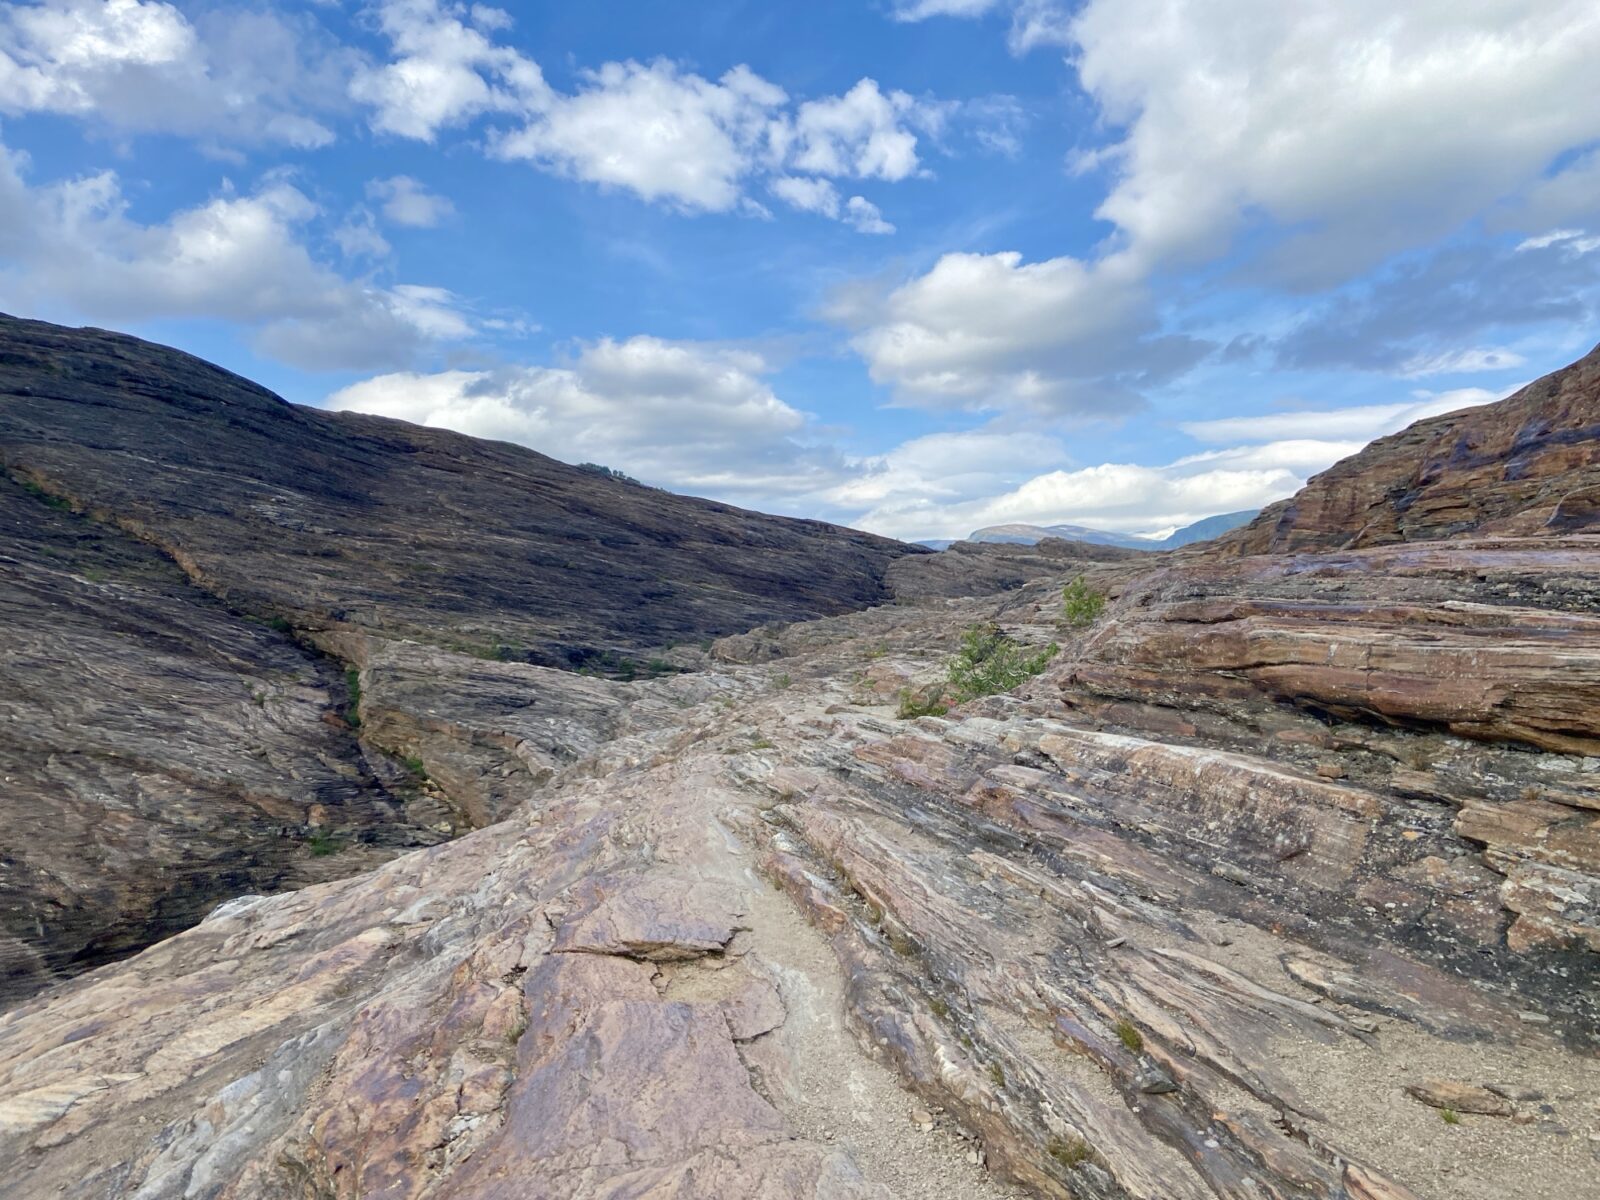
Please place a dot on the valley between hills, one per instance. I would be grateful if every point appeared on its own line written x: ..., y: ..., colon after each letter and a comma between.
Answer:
x: 388, y: 813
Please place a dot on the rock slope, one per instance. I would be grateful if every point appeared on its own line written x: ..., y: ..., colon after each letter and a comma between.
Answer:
x: 1526, y: 466
x: 189, y: 566
x: 347, y: 520
x: 1281, y: 881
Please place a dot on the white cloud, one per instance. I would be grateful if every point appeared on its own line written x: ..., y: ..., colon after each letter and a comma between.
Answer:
x: 669, y: 135
x: 821, y: 197
x: 136, y: 66
x: 1570, y: 241
x: 1034, y: 23
x: 1119, y: 497
x: 1457, y: 362
x: 234, y: 257
x: 1369, y: 126
x: 864, y: 216
x: 358, y: 237
x: 1360, y: 424
x: 693, y: 417
x: 862, y: 134
x: 406, y: 202
x: 446, y: 70
x: 808, y: 195
x: 988, y: 331
x: 944, y: 468
x: 656, y: 131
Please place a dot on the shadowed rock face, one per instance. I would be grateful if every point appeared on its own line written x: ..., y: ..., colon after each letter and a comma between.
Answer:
x: 159, y: 753
x: 1286, y: 856
x: 360, y: 521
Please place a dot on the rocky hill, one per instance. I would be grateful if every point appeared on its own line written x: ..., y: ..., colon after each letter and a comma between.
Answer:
x: 189, y: 567
x: 1524, y: 466
x: 1281, y: 880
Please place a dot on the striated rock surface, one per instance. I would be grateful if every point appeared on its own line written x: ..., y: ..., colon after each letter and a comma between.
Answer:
x: 159, y: 754
x: 1527, y: 465
x: 1279, y: 882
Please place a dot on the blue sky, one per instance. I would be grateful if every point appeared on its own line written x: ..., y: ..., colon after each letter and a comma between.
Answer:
x: 914, y: 265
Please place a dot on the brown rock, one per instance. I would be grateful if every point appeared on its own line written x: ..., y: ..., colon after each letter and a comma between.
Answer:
x: 1460, y: 1097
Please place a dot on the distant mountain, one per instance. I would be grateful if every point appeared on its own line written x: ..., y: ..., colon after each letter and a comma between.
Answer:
x: 1028, y: 535
x: 1210, y: 527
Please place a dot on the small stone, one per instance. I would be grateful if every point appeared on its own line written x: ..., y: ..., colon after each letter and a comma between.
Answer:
x: 1115, y: 942
x: 1461, y: 1097
x: 1533, y: 1018
x: 1153, y: 1081
x: 975, y: 1157
x: 922, y: 1119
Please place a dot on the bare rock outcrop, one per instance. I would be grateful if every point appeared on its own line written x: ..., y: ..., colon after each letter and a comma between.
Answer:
x: 1526, y: 466
x: 224, y: 615
x: 1280, y: 881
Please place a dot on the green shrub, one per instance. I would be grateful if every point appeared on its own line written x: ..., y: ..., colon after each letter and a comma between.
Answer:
x: 1081, y: 605
x: 1069, y: 1154
x: 990, y: 662
x: 1129, y: 1036
x: 1449, y: 1116
x: 416, y: 766
x: 912, y: 706
x: 352, y: 687
x: 324, y: 844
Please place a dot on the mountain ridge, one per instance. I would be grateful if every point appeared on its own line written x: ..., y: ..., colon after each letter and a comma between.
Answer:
x: 1198, y: 531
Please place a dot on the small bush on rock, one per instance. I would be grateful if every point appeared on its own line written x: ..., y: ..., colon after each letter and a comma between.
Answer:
x: 1081, y: 605
x: 990, y: 662
x: 913, y: 706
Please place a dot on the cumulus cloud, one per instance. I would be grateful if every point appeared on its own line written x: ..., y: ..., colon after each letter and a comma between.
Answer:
x: 654, y: 129
x: 657, y: 131
x: 446, y: 70
x: 1365, y: 126
x: 1297, y: 145
x: 404, y: 201
x: 989, y: 331
x: 230, y: 75
x: 237, y: 257
x: 862, y: 134
x: 688, y: 416
x: 864, y: 216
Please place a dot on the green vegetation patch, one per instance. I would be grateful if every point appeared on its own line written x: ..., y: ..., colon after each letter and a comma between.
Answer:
x: 1081, y: 605
x: 990, y: 661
